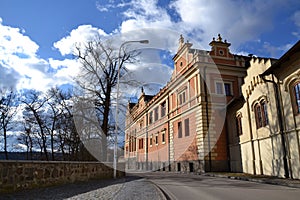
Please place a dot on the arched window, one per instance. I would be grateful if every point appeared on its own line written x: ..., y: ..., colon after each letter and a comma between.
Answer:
x: 258, y: 117
x: 261, y: 114
x: 264, y: 113
x: 239, y: 125
x: 297, y: 97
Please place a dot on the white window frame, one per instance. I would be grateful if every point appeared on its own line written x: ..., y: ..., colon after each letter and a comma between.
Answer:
x: 223, y: 88
x: 163, y: 133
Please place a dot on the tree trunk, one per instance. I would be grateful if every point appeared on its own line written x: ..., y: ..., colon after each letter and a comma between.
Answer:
x: 52, y: 145
x: 5, y: 143
x: 105, y: 123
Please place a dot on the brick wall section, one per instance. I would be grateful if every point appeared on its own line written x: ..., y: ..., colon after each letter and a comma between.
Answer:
x: 20, y: 175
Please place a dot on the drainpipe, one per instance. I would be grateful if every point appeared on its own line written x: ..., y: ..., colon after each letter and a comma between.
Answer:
x: 169, y: 138
x: 280, y: 120
x: 227, y: 146
x: 207, y: 119
x: 146, y: 141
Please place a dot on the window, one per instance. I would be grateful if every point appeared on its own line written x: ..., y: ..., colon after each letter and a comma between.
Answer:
x: 141, y: 124
x: 186, y: 127
x: 141, y: 143
x: 221, y: 52
x: 156, y: 139
x: 297, y: 97
x: 179, y: 130
x: 181, y: 98
x: 261, y: 114
x: 219, y: 88
x: 134, y: 144
x: 265, y: 113
x: 150, y: 142
x: 163, y: 137
x: 239, y: 125
x: 258, y: 116
x: 223, y: 88
x: 227, y: 87
x: 150, y: 117
x: 156, y: 114
x: 163, y: 109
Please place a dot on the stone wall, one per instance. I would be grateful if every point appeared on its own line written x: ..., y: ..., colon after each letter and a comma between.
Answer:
x: 20, y: 175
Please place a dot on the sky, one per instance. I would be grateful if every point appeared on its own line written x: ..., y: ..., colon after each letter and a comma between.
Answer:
x: 37, y: 37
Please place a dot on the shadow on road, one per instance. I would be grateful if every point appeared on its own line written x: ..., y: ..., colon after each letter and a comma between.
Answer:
x: 67, y: 190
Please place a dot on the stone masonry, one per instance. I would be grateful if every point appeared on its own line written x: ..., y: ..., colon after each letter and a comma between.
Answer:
x: 20, y: 175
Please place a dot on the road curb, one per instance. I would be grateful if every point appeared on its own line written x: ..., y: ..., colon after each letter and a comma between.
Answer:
x: 265, y: 181
x: 161, y: 191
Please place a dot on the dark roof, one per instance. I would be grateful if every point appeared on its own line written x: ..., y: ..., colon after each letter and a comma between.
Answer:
x: 148, y: 97
x: 284, y: 58
x: 131, y: 105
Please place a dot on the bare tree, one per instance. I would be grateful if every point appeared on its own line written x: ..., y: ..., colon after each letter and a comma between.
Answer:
x: 26, y: 138
x: 99, y: 67
x: 34, y: 114
x: 8, y: 109
x: 67, y: 140
x: 53, y: 101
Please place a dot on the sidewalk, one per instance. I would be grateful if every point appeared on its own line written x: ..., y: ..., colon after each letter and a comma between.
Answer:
x: 257, y: 178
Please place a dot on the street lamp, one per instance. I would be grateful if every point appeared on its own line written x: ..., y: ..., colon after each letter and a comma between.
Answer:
x: 117, y: 102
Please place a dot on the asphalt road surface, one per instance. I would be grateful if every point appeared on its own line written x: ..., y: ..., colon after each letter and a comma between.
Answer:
x: 189, y: 187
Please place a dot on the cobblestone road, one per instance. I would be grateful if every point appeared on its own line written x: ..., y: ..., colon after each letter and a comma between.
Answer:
x: 121, y: 189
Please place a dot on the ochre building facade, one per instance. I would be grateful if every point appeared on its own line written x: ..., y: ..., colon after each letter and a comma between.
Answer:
x: 217, y: 113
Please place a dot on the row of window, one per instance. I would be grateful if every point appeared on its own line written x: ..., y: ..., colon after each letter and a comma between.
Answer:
x: 221, y: 88
x: 152, y: 140
x: 261, y: 117
x: 132, y: 144
x: 261, y: 111
x: 156, y: 140
x: 154, y: 115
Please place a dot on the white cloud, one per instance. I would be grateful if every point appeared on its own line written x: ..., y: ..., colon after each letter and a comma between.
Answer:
x: 273, y: 50
x: 106, y: 7
x: 145, y: 14
x: 238, y: 21
x: 66, y: 70
x: 82, y: 34
x: 21, y: 67
x: 296, y: 18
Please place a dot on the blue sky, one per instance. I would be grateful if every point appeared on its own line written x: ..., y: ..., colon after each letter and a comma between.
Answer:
x: 36, y: 37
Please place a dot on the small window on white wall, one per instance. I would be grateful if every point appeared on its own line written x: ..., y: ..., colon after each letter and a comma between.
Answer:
x: 261, y: 114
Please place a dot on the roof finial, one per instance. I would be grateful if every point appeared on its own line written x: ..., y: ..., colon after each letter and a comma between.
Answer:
x: 219, y: 37
x: 181, y: 39
x: 142, y: 90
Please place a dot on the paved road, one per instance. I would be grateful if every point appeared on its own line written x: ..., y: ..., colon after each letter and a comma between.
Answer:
x: 189, y: 187
x: 129, y: 188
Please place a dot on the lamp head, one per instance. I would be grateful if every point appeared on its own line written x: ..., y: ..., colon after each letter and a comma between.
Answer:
x: 144, y: 41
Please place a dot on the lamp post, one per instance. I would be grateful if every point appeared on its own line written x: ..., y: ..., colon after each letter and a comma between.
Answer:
x: 117, y: 103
